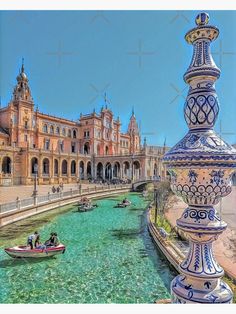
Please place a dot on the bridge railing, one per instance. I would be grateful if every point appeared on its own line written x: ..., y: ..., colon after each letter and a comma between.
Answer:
x: 49, y: 197
x: 148, y: 178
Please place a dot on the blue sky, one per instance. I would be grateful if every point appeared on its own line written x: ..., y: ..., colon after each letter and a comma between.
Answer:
x: 99, y: 52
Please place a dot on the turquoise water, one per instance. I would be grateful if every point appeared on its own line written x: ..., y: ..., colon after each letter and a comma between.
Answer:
x: 109, y: 258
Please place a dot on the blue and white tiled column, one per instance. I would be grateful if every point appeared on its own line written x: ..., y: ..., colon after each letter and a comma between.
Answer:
x: 201, y: 165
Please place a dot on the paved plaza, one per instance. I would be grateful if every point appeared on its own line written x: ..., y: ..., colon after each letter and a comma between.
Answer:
x: 10, y: 193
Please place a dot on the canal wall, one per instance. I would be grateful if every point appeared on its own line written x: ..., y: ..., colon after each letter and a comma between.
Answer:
x: 170, y: 251
x: 10, y: 216
x: 173, y: 254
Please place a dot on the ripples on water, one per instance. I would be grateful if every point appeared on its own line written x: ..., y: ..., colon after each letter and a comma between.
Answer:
x: 110, y: 258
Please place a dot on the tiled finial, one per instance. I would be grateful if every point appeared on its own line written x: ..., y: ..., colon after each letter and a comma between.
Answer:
x: 202, y: 19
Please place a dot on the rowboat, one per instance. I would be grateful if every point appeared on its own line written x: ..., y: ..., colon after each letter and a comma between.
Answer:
x: 87, y: 207
x: 25, y: 251
x: 123, y: 204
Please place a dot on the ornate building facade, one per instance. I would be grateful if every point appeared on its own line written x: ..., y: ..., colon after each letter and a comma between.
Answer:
x: 64, y: 150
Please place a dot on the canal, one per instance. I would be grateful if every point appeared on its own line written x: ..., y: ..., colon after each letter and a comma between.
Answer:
x: 109, y: 258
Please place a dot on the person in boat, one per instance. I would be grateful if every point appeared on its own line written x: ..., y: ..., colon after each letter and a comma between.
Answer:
x: 37, y: 243
x: 31, y: 238
x: 125, y: 201
x: 53, y: 240
x: 56, y: 241
x: 50, y: 241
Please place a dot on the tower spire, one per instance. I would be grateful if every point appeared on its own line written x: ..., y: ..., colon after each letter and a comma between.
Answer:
x: 22, y: 66
x: 22, y: 89
x: 106, y: 100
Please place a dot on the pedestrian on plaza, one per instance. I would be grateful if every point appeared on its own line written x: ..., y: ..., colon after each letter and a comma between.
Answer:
x: 53, y: 189
x: 58, y: 189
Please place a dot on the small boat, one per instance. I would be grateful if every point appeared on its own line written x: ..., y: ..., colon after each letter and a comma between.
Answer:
x: 87, y: 207
x: 123, y: 204
x: 25, y: 251
x: 83, y: 201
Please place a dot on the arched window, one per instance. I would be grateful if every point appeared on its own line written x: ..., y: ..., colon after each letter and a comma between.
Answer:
x: 6, y: 165
x: 98, y: 150
x: 81, y: 169
x: 126, y: 168
x: 108, y: 171
x: 86, y: 149
x: 100, y: 170
x: 136, y: 170
x: 61, y: 145
x: 74, y: 134
x: 51, y: 129
x: 57, y: 130
x: 45, y: 166
x: 73, y: 168
x: 69, y: 133
x: 34, y: 165
x: 64, y: 167
x: 106, y: 150
x: 45, y: 128
x: 89, y: 170
x: 117, y: 170
x: 46, y: 144
x: 64, y: 132
x: 55, y: 167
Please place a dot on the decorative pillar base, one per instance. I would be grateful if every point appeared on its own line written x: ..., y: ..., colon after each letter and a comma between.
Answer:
x: 188, y: 290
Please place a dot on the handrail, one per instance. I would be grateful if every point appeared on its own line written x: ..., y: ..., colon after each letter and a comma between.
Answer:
x: 49, y: 197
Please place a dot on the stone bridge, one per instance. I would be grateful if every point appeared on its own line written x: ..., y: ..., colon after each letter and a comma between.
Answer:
x: 140, y: 184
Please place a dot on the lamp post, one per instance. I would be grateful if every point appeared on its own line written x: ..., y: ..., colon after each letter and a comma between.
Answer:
x: 35, y: 191
x: 155, y: 200
x: 201, y: 165
x: 132, y: 167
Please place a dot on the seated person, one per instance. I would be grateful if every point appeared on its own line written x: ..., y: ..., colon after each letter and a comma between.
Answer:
x: 37, y: 243
x: 56, y: 239
x: 53, y: 240
x: 50, y: 241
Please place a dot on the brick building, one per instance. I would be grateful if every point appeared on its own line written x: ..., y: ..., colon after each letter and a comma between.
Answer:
x: 66, y: 150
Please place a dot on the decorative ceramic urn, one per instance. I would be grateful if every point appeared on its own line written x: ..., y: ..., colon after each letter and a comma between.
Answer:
x: 201, y: 165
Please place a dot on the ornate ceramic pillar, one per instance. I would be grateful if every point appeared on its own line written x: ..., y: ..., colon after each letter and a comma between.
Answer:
x: 201, y: 165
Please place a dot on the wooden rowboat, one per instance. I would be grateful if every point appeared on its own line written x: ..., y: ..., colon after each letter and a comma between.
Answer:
x: 25, y: 251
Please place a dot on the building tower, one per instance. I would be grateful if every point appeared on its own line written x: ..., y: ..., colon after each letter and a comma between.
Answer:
x: 201, y: 165
x: 22, y: 91
x: 133, y: 131
x: 22, y: 111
